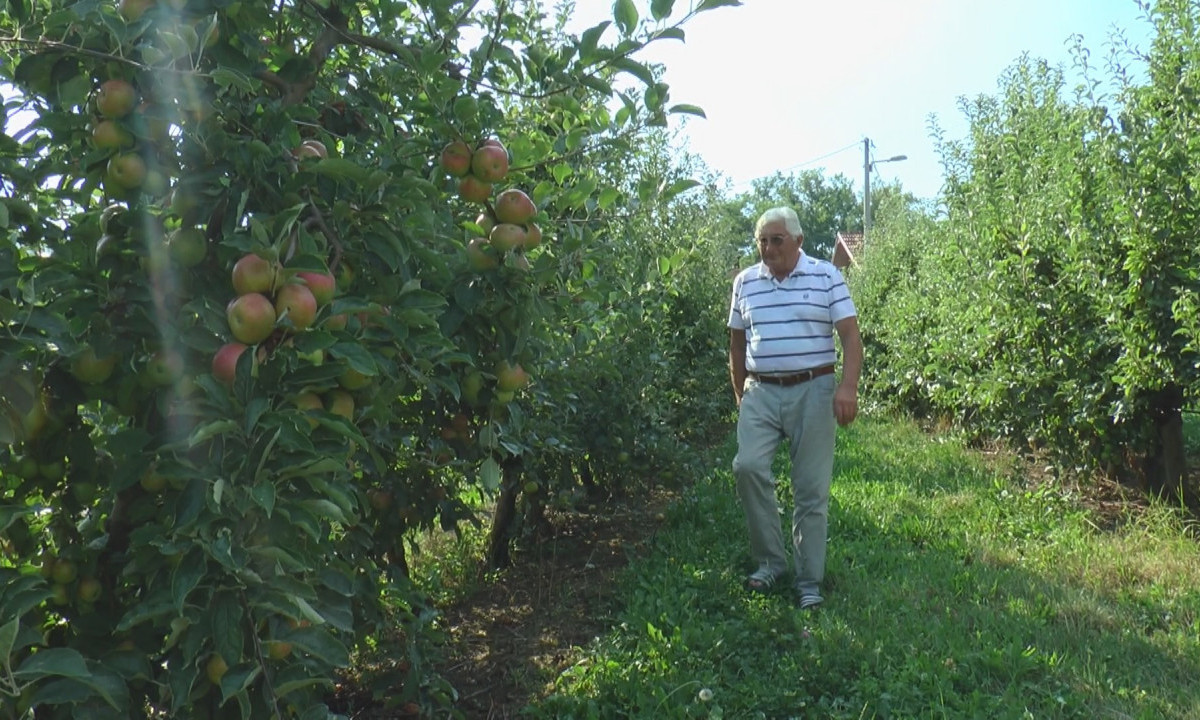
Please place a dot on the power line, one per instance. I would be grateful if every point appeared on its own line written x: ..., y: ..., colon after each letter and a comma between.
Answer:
x: 784, y: 171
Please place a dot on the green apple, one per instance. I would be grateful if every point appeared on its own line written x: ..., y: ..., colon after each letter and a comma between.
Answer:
x: 115, y: 99
x: 90, y: 369
x: 187, y: 246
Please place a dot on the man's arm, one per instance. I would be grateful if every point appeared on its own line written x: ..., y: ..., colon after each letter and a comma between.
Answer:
x: 737, y: 362
x: 845, y: 398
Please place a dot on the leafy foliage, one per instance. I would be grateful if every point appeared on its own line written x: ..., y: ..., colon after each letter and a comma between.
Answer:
x: 1051, y: 303
x: 195, y: 533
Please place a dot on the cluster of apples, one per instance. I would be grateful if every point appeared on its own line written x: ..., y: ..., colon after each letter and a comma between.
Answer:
x: 507, y: 223
x: 115, y: 101
x: 267, y: 295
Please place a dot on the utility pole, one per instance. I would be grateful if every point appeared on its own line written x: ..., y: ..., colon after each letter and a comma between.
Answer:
x: 866, y: 188
x: 868, y: 165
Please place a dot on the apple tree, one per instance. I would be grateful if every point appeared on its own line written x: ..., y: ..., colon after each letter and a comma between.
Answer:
x: 254, y: 336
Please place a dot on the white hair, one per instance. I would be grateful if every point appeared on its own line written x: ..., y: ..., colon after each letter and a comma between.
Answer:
x: 791, y: 221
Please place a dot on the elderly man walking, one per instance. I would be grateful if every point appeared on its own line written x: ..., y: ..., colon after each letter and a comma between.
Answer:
x: 782, y: 362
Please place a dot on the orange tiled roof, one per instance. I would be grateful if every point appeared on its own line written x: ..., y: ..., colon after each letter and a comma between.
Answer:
x: 847, y: 246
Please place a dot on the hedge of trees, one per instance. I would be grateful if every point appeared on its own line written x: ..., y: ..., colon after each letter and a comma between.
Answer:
x: 1051, y: 298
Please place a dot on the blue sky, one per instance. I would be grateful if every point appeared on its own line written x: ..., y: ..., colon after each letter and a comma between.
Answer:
x: 789, y: 85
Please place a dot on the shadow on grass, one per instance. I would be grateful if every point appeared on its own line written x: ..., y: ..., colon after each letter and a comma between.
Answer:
x: 946, y: 597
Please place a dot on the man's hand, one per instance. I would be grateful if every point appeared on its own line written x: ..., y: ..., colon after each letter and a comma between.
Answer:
x: 845, y: 404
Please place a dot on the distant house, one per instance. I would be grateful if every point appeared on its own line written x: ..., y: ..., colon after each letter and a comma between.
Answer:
x: 845, y: 250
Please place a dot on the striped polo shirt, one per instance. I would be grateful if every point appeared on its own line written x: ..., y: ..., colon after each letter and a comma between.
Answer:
x: 789, y: 323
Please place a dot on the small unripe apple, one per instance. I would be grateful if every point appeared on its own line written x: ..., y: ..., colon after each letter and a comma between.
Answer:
x: 187, y: 246
x: 115, y: 99
x: 533, y: 236
x: 108, y: 135
x: 90, y: 369
x: 311, y: 149
x: 126, y: 171
x: 340, y: 403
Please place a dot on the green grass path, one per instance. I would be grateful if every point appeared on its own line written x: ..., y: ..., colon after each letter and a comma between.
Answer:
x: 953, y: 591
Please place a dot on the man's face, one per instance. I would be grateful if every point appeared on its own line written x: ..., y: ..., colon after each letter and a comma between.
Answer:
x: 779, y: 250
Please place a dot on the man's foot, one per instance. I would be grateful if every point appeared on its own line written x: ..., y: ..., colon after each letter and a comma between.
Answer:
x: 761, y: 582
x: 808, y: 599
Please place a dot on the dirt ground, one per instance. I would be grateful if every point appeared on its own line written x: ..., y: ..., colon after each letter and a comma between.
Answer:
x: 514, y: 635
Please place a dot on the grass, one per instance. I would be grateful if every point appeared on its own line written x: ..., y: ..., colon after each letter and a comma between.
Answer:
x: 955, y: 589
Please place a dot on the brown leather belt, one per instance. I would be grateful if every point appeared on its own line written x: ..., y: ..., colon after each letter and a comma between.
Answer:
x: 795, y: 378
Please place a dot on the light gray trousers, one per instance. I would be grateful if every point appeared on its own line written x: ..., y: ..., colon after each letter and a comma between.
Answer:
x: 803, y: 415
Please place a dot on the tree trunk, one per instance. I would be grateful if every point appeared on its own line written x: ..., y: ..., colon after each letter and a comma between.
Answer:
x: 506, y: 511
x: 1168, y: 461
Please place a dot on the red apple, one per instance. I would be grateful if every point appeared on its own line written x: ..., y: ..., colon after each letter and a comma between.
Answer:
x: 486, y: 222
x: 298, y: 303
x: 514, y: 206
x: 533, y: 236
x: 456, y: 158
x: 224, y: 362
x: 472, y: 189
x: 127, y: 171
x: 116, y: 99
x: 510, y: 378
x: 253, y: 274
x: 480, y: 256
x: 251, y: 318
x: 108, y: 135
x: 490, y: 163
x: 506, y: 236
x: 322, y: 285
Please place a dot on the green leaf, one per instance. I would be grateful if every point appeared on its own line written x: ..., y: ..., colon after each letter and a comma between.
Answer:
x: 671, y: 33
x: 321, y: 644
x: 678, y: 187
x: 186, y: 577
x: 589, y: 40
x: 661, y: 9
x: 489, y: 474
x: 626, y: 15
x: 686, y: 109
x: 342, y: 169
x: 225, y: 627
x: 9, y: 514
x: 216, y: 427
x: 638, y: 70
x: 8, y: 636
x: 47, y: 662
x: 714, y: 4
